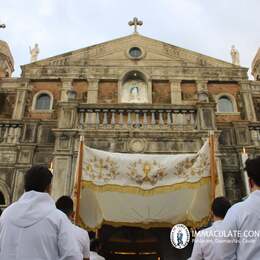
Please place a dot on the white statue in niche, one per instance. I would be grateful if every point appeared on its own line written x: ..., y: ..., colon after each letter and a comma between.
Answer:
x: 134, y: 91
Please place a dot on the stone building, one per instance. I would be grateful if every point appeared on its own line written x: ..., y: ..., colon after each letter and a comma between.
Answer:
x: 132, y: 94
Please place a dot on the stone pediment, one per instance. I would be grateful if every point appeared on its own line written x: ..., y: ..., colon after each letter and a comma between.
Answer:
x: 115, y: 53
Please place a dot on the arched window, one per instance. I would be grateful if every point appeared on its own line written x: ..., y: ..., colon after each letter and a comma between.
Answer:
x: 43, y: 102
x: 225, y: 105
x: 2, y: 199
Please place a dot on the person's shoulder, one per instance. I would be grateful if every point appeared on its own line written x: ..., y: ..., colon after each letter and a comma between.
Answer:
x: 80, y: 230
x: 204, y: 232
x: 8, y: 210
x: 237, y: 207
x: 58, y: 216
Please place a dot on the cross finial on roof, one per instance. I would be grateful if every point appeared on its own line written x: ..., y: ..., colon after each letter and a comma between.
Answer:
x: 135, y: 22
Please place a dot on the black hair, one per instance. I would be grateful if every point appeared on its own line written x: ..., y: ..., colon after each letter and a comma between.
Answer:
x: 0, y: 212
x: 65, y: 204
x: 37, y: 178
x: 253, y: 170
x: 220, y: 206
x: 95, y: 245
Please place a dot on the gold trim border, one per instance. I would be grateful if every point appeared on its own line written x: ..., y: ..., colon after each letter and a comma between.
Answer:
x: 140, y: 191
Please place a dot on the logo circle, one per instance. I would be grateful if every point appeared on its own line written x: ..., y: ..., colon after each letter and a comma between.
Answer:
x: 180, y: 236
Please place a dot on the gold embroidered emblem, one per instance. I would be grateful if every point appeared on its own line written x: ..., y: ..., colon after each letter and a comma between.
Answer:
x: 144, y: 171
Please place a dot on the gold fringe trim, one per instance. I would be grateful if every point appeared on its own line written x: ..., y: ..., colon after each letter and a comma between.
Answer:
x: 187, y: 222
x: 140, y: 191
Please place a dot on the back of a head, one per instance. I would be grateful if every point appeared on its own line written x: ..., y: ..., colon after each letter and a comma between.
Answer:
x: 253, y: 170
x: 37, y: 178
x: 220, y: 206
x: 65, y: 204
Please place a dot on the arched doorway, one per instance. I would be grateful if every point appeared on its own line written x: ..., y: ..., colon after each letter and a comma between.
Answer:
x: 129, y: 243
x: 2, y: 199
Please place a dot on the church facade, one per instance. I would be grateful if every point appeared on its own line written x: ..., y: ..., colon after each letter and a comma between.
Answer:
x: 132, y: 95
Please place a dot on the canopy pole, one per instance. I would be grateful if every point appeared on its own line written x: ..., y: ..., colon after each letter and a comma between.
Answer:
x: 212, y: 164
x: 77, y: 184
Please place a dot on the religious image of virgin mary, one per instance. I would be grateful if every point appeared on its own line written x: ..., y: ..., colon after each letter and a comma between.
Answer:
x: 134, y: 93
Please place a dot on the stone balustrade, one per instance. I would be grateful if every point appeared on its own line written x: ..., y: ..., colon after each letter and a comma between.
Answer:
x: 10, y: 132
x: 154, y: 117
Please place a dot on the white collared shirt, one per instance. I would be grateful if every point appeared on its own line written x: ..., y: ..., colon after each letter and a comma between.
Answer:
x: 82, y: 238
x: 95, y: 256
x: 241, y: 220
x: 204, y: 244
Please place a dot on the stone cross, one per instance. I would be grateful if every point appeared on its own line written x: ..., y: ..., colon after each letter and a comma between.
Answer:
x: 135, y: 22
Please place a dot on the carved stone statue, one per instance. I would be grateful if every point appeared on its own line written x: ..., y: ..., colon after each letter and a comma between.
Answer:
x: 34, y: 52
x: 235, y: 55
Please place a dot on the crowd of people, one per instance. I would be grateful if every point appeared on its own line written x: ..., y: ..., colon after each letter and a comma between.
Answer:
x: 37, y: 228
x: 235, y: 233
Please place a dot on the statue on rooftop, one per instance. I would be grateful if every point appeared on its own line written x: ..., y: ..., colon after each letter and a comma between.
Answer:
x: 34, y: 52
x: 235, y: 55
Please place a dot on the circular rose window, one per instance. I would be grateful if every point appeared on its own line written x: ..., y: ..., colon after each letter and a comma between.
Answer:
x: 135, y: 52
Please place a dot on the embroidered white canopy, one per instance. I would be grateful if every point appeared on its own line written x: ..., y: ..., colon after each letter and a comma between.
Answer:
x: 144, y: 189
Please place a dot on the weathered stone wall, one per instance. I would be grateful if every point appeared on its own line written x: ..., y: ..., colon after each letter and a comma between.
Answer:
x: 81, y: 88
x: 189, y: 90
x: 108, y: 92
x: 161, y: 92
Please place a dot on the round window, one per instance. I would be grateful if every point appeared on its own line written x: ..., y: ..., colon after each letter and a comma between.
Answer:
x: 135, y: 52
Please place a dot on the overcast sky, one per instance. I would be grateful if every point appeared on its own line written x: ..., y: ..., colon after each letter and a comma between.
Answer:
x: 206, y: 26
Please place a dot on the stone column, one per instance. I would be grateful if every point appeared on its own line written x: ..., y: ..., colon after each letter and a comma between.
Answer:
x: 248, y: 101
x: 220, y: 187
x: 149, y: 92
x: 92, y: 91
x: 62, y: 174
x: 20, y: 102
x: 176, y: 97
x: 119, y: 90
x: 202, y: 88
x: 206, y: 116
x: 66, y: 86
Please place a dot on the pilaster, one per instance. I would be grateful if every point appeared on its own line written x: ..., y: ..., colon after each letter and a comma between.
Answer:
x: 248, y: 101
x: 92, y: 91
x: 176, y: 97
x: 202, y: 88
x: 20, y: 102
x: 66, y: 86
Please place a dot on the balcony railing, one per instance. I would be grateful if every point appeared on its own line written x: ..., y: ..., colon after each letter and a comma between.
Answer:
x: 10, y: 131
x: 140, y: 117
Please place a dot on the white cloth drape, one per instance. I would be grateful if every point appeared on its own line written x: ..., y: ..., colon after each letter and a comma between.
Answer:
x: 145, y: 189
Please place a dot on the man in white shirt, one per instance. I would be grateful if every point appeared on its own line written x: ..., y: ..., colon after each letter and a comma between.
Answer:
x: 94, y: 249
x: 65, y: 204
x: 242, y: 222
x: 204, y: 243
x: 32, y: 228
